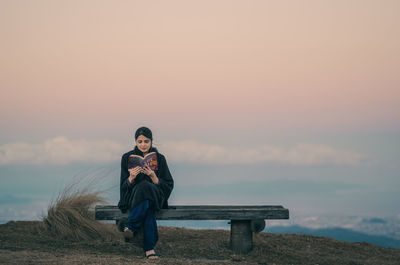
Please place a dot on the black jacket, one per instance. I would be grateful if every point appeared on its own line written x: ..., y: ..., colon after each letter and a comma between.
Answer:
x: 143, y: 188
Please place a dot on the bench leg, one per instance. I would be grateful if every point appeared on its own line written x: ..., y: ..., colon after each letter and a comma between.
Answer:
x: 241, y: 236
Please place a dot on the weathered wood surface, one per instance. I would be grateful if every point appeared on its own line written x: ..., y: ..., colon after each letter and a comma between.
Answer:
x: 241, y: 240
x: 203, y: 212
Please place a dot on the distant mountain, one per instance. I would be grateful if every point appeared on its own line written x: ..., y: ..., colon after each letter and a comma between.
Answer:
x: 339, y: 234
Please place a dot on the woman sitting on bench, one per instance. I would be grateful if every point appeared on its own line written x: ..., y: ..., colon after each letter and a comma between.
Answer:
x: 144, y: 189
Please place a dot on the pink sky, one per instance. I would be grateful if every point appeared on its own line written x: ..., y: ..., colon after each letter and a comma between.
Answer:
x: 284, y: 64
x: 306, y: 90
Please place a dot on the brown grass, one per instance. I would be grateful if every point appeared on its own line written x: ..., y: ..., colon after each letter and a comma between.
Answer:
x: 71, y: 215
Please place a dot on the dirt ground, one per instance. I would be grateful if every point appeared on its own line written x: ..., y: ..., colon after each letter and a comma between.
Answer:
x: 28, y: 243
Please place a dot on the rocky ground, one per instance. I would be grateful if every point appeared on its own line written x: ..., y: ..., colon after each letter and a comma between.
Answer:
x: 29, y: 243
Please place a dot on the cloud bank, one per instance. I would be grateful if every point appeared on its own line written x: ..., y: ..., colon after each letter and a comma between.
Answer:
x: 301, y: 154
x: 61, y: 150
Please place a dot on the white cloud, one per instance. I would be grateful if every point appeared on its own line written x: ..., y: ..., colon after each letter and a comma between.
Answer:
x: 61, y: 150
x: 301, y: 154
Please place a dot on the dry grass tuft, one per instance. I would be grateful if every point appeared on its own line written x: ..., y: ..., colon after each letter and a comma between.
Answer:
x: 71, y: 216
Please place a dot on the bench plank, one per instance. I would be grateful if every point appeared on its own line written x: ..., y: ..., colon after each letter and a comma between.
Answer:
x: 203, y: 212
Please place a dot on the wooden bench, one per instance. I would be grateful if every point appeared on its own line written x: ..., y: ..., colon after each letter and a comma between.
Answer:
x: 244, y: 219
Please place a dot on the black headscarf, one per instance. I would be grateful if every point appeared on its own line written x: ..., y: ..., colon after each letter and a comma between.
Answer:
x: 145, y: 132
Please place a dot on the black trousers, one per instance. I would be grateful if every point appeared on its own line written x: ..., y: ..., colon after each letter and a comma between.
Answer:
x: 141, y: 216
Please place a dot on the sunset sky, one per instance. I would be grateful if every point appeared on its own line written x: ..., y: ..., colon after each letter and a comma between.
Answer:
x: 284, y: 102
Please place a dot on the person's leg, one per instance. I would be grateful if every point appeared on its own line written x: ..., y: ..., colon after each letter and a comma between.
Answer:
x: 150, y: 233
x: 137, y: 216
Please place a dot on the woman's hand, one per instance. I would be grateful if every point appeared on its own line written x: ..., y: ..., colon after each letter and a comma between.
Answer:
x: 146, y: 170
x: 133, y: 172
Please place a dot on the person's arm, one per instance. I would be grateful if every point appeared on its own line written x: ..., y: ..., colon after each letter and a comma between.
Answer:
x: 124, y: 185
x: 151, y: 174
x: 133, y: 172
x: 124, y: 182
x: 166, y: 181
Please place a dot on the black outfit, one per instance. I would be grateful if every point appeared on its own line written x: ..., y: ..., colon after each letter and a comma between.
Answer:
x: 142, y: 188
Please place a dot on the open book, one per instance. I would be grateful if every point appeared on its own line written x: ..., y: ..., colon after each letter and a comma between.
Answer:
x: 149, y: 160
